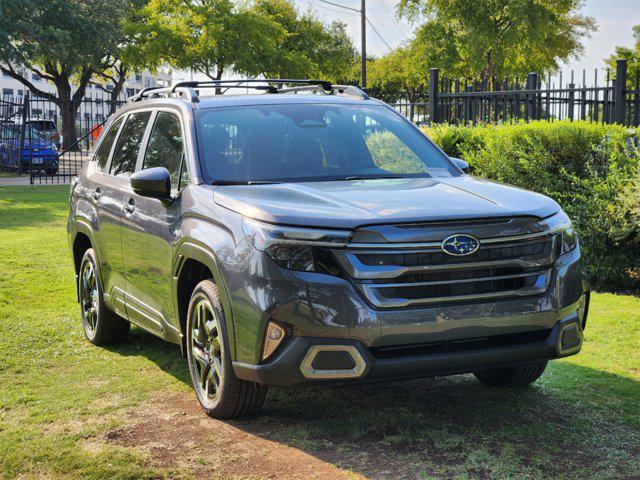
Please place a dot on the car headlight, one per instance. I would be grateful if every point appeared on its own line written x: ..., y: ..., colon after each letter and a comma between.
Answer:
x: 296, y: 248
x: 561, y: 224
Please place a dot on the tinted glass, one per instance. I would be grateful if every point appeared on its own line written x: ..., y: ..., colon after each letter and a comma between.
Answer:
x: 165, y: 146
x: 314, y: 142
x: 125, y: 155
x: 102, y: 154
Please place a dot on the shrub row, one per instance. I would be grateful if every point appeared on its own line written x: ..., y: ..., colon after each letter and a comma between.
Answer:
x: 591, y: 170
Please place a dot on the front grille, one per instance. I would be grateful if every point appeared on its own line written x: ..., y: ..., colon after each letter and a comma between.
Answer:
x: 411, y: 259
x: 413, y: 276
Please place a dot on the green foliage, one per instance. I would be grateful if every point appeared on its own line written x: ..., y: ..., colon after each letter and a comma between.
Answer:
x: 208, y: 36
x: 265, y: 37
x: 309, y: 48
x: 494, y: 37
x: 632, y: 55
x: 591, y: 170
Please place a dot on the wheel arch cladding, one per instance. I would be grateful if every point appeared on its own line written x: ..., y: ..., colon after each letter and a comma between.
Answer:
x: 194, y: 263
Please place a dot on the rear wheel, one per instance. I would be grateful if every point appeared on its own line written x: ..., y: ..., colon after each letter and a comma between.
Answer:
x: 511, y: 376
x: 101, y: 326
x: 220, y: 392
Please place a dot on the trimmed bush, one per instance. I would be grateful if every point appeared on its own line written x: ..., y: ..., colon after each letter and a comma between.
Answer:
x: 591, y: 170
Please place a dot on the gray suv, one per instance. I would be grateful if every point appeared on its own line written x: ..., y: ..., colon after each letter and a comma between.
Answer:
x: 308, y: 234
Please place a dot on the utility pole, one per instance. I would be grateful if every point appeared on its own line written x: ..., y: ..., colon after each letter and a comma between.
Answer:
x: 363, y: 42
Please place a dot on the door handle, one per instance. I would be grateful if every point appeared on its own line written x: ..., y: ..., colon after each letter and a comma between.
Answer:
x: 96, y: 194
x: 130, y: 206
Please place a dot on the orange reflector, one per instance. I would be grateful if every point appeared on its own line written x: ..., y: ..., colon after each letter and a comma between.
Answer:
x: 272, y: 339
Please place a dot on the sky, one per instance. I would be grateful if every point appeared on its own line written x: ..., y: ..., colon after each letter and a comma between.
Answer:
x: 614, y: 17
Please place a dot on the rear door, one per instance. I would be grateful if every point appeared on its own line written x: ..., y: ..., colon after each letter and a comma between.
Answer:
x: 99, y: 191
x: 115, y: 190
x: 150, y: 229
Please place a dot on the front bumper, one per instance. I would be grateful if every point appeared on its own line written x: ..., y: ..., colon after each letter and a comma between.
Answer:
x: 289, y: 368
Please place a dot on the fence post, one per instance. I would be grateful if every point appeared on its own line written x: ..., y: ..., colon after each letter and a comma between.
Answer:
x: 433, y: 95
x: 572, y: 99
x: 23, y: 128
x: 531, y: 98
x: 619, y: 92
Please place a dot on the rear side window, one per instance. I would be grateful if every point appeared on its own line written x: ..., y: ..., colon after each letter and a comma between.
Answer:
x: 102, y: 154
x: 165, y: 147
x: 125, y: 155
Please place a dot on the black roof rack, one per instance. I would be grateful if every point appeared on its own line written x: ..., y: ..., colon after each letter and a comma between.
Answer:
x: 187, y: 88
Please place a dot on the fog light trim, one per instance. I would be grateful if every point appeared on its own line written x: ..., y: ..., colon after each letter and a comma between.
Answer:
x: 306, y: 367
x: 273, y: 337
x: 575, y: 348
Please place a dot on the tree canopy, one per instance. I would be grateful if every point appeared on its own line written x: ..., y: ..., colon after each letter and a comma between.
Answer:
x: 63, y: 41
x: 494, y: 37
x: 631, y: 54
x: 265, y: 37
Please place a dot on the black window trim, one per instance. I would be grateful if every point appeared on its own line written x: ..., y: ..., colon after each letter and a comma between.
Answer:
x: 147, y: 134
x: 115, y: 141
x: 107, y: 166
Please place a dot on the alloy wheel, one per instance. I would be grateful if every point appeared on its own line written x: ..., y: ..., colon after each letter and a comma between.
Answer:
x: 89, y: 297
x: 206, y: 350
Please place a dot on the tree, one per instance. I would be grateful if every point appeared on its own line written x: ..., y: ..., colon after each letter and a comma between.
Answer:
x: 207, y: 36
x: 309, y: 48
x: 63, y: 41
x: 631, y: 54
x: 495, y: 37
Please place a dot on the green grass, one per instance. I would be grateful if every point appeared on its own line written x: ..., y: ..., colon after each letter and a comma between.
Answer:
x: 61, y: 399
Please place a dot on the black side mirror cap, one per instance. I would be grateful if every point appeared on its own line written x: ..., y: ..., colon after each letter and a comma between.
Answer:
x: 462, y: 165
x: 152, y: 182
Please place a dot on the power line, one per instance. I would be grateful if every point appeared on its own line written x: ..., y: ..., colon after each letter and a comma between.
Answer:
x: 329, y: 9
x: 401, y: 28
x: 378, y: 33
x: 340, y: 6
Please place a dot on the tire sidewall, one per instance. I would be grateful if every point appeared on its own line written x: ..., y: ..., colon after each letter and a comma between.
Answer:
x: 208, y: 291
x: 89, y: 256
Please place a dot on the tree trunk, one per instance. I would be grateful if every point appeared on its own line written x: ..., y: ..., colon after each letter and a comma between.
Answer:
x: 117, y: 90
x: 490, y: 65
x: 219, y: 71
x: 68, y: 113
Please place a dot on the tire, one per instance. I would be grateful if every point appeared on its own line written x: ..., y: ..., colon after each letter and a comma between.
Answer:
x: 220, y: 393
x: 101, y: 326
x: 512, y: 376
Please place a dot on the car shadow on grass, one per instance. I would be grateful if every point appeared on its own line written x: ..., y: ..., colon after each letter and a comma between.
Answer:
x: 576, y: 422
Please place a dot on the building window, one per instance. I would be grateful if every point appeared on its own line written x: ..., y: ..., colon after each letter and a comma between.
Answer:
x: 7, y: 92
x: 138, y: 78
x: 36, y: 112
x: 35, y: 77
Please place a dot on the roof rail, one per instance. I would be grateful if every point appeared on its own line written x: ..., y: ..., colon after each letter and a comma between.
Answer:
x: 187, y: 89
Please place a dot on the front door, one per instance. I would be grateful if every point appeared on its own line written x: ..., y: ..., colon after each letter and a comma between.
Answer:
x: 114, y: 197
x: 150, y: 231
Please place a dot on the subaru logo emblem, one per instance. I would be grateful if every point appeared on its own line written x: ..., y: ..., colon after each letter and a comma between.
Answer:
x: 460, y: 244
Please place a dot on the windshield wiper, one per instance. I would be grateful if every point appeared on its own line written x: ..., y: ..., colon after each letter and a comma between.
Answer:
x: 243, y: 182
x: 370, y: 177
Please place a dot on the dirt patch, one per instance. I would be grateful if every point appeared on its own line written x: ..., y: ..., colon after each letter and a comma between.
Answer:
x: 175, y: 434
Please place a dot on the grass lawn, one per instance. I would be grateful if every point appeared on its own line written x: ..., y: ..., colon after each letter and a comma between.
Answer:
x: 69, y: 409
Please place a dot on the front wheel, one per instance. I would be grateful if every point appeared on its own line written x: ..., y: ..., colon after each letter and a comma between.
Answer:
x: 511, y: 376
x: 220, y: 392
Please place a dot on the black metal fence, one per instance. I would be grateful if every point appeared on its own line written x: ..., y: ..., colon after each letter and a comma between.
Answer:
x: 32, y: 140
x: 613, y: 99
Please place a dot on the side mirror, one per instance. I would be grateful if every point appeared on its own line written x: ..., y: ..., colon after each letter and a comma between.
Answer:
x: 152, y: 182
x: 462, y: 165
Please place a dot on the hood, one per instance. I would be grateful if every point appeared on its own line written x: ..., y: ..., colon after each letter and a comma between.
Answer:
x: 349, y: 204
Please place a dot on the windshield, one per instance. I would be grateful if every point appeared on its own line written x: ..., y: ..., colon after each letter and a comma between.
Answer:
x: 313, y: 142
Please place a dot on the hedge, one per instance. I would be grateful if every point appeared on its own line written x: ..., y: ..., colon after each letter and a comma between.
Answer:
x: 591, y: 170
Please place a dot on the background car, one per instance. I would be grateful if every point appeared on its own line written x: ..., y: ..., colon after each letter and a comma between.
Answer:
x: 38, y: 153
